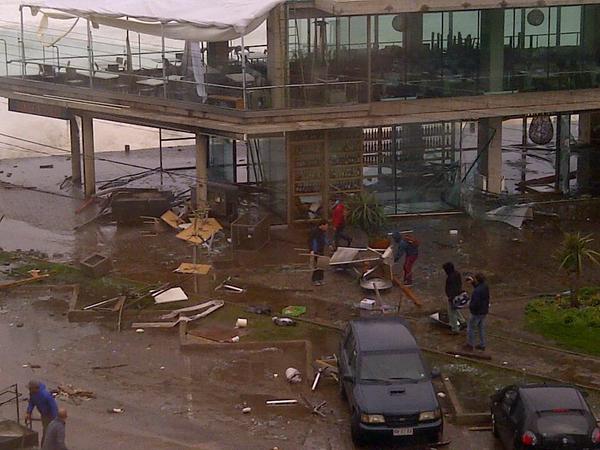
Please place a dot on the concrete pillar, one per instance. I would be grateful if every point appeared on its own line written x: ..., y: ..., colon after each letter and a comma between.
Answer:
x: 89, y: 163
x: 585, y: 128
x: 217, y: 54
x: 563, y: 152
x: 201, y: 169
x: 277, y: 65
x: 489, y: 142
x: 590, y: 35
x: 75, y: 151
x: 413, y: 34
x: 492, y: 49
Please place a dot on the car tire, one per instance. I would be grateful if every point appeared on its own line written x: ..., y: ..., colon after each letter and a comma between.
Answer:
x: 358, y: 436
x: 494, y: 429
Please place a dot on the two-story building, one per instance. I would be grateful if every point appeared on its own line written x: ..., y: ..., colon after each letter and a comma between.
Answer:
x: 344, y: 96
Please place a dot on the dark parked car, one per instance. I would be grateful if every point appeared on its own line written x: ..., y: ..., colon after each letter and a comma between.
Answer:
x: 544, y: 417
x: 384, y: 378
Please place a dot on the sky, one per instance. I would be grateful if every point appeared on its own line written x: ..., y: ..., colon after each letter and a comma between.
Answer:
x: 108, y: 136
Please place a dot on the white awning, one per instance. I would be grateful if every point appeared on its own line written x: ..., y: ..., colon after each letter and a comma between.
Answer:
x: 195, y: 20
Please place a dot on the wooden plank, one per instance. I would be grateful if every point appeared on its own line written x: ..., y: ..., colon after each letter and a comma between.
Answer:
x: 32, y: 279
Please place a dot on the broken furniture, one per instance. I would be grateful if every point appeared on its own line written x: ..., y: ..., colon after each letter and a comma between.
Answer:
x: 131, y: 204
x: 250, y: 232
x: 229, y: 287
x: 96, y: 265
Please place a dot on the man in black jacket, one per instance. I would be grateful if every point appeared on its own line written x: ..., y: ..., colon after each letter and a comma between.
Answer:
x: 317, y: 242
x: 479, y: 308
x: 453, y: 289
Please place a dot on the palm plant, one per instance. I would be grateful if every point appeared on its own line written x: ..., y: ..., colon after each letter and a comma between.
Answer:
x: 573, y: 254
x: 366, y: 213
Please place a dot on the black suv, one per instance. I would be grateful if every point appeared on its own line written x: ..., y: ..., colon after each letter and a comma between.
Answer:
x: 384, y: 378
x: 544, y: 417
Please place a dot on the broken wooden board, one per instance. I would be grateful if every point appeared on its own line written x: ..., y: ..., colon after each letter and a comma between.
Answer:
x: 214, y: 305
x: 196, y: 269
x: 35, y: 276
x: 171, y: 219
x: 200, y: 231
x: 407, y: 291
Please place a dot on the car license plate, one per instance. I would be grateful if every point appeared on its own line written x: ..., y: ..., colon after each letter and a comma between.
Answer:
x: 402, y: 431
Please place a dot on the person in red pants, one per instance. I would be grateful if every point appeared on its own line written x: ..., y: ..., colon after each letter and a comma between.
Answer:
x: 406, y: 245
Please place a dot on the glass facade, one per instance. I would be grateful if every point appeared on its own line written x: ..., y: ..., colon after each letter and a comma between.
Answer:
x: 440, y: 54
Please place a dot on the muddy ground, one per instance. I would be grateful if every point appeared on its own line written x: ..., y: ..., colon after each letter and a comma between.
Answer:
x: 174, y: 398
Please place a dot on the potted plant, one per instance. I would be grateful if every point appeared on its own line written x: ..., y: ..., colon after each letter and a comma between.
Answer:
x: 367, y: 214
x: 573, y: 253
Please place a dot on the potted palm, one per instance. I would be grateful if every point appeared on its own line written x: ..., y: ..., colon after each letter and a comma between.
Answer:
x: 367, y: 214
x: 573, y: 254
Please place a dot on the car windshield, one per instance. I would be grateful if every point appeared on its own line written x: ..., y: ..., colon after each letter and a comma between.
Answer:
x: 571, y: 422
x: 391, y: 366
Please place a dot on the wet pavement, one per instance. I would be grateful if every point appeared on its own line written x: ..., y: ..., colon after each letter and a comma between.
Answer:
x: 193, y: 399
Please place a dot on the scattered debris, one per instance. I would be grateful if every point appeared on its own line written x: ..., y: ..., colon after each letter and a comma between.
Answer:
x: 118, y: 301
x: 139, y: 330
x: 19, y: 324
x: 72, y: 393
x: 482, y: 428
x: 513, y: 215
x: 35, y: 276
x: 247, y: 410
x: 172, y: 219
x: 441, y: 395
x: 241, y: 323
x: 281, y: 402
x: 230, y: 287
x: 46, y: 166
x: 293, y: 375
x: 212, y: 306
x: 367, y: 303
x: 294, y: 311
x: 259, y: 309
x: 197, y: 269
x: 283, y: 321
x: 96, y: 265
x: 453, y: 232
x: 114, y: 366
x: 315, y: 409
x: 200, y: 230
x: 116, y: 410
x: 170, y: 296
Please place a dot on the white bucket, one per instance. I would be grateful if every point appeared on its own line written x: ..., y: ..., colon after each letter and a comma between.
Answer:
x: 241, y: 323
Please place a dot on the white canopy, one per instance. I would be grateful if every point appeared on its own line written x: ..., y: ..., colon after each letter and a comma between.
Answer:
x: 195, y: 20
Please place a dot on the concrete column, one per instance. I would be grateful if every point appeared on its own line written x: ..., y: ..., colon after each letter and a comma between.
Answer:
x: 413, y: 34
x: 218, y: 54
x: 489, y: 142
x: 89, y: 163
x: 277, y: 65
x: 75, y: 151
x: 201, y: 169
x: 492, y: 49
x: 563, y: 152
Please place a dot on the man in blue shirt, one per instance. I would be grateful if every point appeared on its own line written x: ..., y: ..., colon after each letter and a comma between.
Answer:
x: 43, y: 400
x: 317, y: 242
x: 479, y: 308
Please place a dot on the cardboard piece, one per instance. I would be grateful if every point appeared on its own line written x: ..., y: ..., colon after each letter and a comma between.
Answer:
x: 171, y: 295
x: 200, y: 231
x: 171, y: 219
x: 198, y: 269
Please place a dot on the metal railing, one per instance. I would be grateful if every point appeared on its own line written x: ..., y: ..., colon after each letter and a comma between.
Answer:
x: 11, y: 394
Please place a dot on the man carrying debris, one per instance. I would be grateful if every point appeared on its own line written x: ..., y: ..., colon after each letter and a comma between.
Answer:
x: 43, y: 400
x: 453, y: 290
x: 479, y: 308
x: 406, y: 245
x: 55, y: 435
x: 338, y: 220
x: 318, y: 241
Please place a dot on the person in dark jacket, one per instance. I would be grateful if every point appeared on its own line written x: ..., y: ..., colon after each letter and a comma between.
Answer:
x: 453, y: 289
x: 317, y: 242
x: 479, y: 308
x: 406, y: 245
x: 55, y: 435
x: 40, y: 398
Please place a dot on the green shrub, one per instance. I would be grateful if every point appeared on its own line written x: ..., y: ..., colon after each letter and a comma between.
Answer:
x: 574, y: 328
